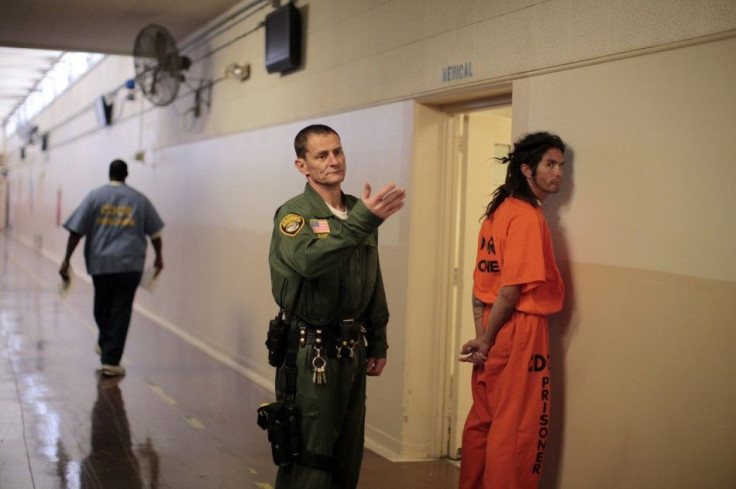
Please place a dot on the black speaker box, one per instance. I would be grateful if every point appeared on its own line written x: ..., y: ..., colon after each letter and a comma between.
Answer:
x: 283, y: 39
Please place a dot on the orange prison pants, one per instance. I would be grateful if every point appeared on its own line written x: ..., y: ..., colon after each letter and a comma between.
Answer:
x: 506, y: 432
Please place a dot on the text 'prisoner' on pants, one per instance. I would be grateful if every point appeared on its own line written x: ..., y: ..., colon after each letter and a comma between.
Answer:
x: 506, y: 431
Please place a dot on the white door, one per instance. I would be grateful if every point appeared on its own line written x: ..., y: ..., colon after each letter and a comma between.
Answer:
x: 479, y: 137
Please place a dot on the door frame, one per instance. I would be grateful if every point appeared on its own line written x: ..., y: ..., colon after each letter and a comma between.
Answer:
x: 449, y: 307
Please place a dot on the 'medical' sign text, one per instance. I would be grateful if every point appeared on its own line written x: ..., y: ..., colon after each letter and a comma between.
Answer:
x: 457, y: 72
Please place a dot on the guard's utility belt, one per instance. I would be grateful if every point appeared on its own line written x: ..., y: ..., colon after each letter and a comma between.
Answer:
x: 335, y: 341
x: 339, y: 340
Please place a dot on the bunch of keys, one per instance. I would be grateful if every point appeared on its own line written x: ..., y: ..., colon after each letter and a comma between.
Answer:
x: 319, y: 364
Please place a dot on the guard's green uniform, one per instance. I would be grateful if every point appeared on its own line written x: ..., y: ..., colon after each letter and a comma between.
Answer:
x: 332, y: 266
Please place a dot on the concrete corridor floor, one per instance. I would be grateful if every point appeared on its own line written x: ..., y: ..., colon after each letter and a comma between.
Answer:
x: 178, y: 420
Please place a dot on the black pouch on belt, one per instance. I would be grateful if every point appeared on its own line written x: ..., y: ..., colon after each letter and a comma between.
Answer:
x: 276, y: 338
x: 348, y: 336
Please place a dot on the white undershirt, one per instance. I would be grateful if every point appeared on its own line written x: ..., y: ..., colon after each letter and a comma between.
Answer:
x: 341, y: 214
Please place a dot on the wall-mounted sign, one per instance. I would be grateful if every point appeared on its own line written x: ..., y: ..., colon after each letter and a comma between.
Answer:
x: 457, y: 72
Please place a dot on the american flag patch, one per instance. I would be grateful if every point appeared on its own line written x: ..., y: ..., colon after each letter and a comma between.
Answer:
x: 319, y: 226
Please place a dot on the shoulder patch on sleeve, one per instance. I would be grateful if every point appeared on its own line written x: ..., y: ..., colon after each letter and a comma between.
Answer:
x: 291, y: 224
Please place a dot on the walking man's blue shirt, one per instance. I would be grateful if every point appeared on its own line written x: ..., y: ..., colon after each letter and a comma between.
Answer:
x: 115, y: 219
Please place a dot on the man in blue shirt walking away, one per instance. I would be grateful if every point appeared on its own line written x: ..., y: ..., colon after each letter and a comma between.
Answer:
x: 115, y: 219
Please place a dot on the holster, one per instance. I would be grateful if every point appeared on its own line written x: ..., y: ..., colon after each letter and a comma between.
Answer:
x: 280, y: 421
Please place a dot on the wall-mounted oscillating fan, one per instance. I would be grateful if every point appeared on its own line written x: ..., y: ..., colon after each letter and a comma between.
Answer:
x: 158, y: 66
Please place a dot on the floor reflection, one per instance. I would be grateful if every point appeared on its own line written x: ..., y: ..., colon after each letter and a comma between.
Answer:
x: 61, y: 428
x: 113, y: 462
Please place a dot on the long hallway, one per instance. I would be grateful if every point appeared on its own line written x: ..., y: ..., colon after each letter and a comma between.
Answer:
x: 179, y: 419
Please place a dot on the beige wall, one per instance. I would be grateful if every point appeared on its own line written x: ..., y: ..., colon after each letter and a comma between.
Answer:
x: 361, y: 53
x: 423, y: 358
x: 645, y: 232
x: 644, y: 228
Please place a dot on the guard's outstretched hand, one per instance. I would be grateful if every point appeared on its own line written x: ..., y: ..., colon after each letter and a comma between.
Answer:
x: 385, y: 202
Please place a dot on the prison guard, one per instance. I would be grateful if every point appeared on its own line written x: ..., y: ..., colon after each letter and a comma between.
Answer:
x: 325, y: 270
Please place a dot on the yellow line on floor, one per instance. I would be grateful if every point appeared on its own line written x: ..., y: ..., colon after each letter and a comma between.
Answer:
x: 160, y: 392
x: 27, y: 271
x: 193, y: 422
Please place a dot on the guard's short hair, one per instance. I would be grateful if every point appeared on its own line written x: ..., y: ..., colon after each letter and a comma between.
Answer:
x: 118, y: 170
x: 300, y: 141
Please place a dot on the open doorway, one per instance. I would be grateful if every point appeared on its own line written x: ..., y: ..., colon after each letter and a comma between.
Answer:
x: 479, y: 136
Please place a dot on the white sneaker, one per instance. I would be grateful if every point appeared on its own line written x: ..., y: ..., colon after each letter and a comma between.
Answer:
x: 113, y: 370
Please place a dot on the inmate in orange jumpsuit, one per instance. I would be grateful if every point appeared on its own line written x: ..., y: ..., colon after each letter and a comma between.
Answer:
x: 506, y: 432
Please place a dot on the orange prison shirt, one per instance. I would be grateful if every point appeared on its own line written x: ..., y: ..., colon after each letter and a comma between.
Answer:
x: 515, y: 248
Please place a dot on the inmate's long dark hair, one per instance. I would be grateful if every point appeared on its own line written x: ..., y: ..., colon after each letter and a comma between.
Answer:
x: 529, y: 150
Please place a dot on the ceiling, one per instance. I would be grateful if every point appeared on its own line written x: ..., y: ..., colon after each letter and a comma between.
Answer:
x: 98, y: 26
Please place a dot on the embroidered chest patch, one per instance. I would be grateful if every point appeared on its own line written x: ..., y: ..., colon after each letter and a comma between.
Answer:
x: 291, y: 224
x: 320, y: 227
